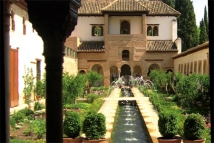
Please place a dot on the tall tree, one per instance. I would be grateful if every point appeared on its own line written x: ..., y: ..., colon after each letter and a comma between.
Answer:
x: 206, y: 20
x: 203, y: 33
x: 170, y: 3
x: 198, y: 32
x: 187, y: 28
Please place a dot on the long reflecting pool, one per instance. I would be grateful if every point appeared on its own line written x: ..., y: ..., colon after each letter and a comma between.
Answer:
x: 129, y: 126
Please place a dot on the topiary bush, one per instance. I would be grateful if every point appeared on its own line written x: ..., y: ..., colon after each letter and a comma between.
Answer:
x: 168, y: 125
x: 194, y: 127
x: 71, y: 124
x: 94, y: 126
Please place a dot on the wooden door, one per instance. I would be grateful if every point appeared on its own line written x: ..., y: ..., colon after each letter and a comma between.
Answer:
x: 14, y: 96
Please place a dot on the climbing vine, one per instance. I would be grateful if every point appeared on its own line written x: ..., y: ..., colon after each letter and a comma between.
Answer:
x: 28, y: 84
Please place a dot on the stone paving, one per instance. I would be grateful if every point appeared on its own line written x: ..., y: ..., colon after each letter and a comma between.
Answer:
x: 147, y: 110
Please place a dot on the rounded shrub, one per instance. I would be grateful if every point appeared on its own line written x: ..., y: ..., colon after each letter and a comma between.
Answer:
x: 26, y: 111
x: 91, y: 97
x: 94, y: 125
x: 72, y: 124
x: 168, y: 124
x: 194, y: 127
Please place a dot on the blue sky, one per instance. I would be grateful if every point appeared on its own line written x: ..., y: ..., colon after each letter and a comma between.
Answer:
x: 199, y: 9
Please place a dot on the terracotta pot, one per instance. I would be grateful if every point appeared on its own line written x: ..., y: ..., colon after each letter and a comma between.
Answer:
x: 72, y: 140
x: 96, y: 141
x: 194, y: 141
x: 175, y: 140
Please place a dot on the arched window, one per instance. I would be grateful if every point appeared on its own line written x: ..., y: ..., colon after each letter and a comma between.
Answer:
x: 82, y: 72
x: 155, y: 31
x: 149, y: 31
x: 152, y: 30
x: 65, y: 51
x: 97, y: 30
x: 124, y: 27
x: 24, y: 26
x: 125, y: 55
x: 71, y: 53
x: 12, y: 21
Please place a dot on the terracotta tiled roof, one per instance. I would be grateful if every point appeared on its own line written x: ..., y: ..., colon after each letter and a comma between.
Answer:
x: 124, y: 5
x: 160, y: 45
x: 95, y: 7
x: 159, y: 7
x: 91, y: 46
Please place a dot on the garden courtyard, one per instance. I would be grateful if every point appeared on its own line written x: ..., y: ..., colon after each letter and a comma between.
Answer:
x: 179, y: 95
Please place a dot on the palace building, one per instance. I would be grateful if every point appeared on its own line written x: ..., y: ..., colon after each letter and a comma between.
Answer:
x: 125, y: 37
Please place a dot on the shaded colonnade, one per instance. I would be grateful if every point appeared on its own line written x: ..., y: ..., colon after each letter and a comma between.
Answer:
x: 54, y: 25
x: 54, y: 22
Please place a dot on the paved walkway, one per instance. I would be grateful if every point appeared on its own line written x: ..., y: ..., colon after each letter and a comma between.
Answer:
x: 150, y: 116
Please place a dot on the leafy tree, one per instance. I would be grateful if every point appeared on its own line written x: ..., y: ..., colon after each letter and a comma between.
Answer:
x: 187, y: 28
x: 161, y: 80
x: 73, y: 86
x: 170, y: 3
x: 93, y: 77
x: 203, y: 33
x: 194, y: 91
x: 206, y: 20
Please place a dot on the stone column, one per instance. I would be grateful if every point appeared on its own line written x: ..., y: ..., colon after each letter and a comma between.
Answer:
x: 106, y: 27
x: 54, y: 22
x: 54, y: 52
x: 119, y: 73
x: 144, y: 27
x: 5, y: 116
x: 132, y: 71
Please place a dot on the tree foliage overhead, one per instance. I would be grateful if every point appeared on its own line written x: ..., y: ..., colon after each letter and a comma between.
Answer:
x: 203, y: 32
x: 169, y: 2
x: 187, y: 28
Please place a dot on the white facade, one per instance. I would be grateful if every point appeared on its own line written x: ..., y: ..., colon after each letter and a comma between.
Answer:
x: 135, y: 24
x: 167, y: 28
x: 164, y: 28
x: 30, y: 48
x: 83, y: 29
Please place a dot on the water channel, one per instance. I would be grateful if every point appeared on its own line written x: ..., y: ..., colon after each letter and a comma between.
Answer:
x: 129, y: 126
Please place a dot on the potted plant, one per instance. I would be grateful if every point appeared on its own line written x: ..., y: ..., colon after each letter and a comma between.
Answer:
x: 194, y: 129
x: 71, y: 127
x: 168, y: 128
x: 94, y: 127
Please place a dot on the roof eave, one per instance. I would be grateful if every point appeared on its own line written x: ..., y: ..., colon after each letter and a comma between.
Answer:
x: 176, y: 15
x: 161, y: 50
x: 125, y: 12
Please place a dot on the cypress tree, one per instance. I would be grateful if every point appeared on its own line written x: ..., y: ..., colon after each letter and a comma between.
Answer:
x: 206, y: 20
x: 170, y: 3
x: 187, y: 28
x: 203, y: 32
x: 198, y: 32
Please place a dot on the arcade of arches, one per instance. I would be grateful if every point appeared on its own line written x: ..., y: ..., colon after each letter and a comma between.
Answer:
x: 124, y: 70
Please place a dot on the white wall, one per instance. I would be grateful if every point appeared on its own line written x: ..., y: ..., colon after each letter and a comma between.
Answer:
x: 165, y: 27
x: 135, y: 24
x: 83, y: 28
x: 30, y: 47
